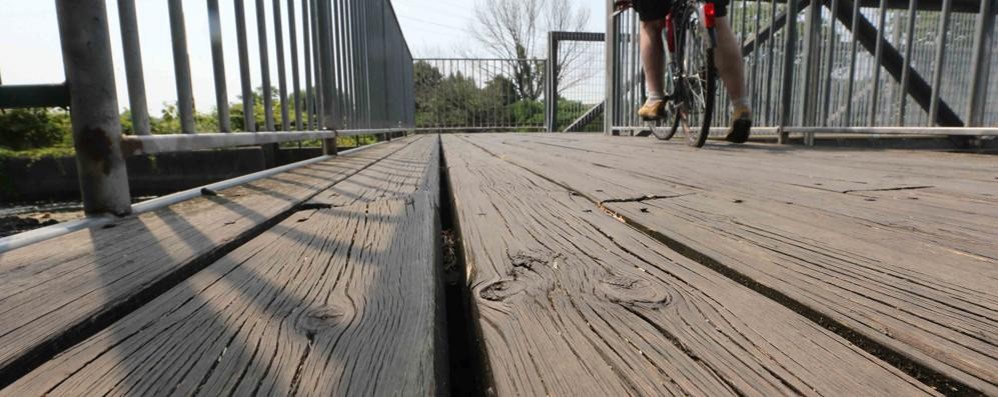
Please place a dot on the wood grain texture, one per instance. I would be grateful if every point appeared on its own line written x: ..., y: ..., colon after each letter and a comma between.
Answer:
x: 337, y: 301
x: 315, y: 306
x: 900, y: 247
x: 56, y: 287
x: 574, y: 302
x: 396, y: 176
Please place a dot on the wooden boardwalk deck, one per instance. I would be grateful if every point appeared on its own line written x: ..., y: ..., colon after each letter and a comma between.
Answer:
x: 896, y: 251
x: 595, y: 265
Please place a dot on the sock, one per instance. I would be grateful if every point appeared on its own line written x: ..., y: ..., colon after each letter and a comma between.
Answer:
x: 656, y: 96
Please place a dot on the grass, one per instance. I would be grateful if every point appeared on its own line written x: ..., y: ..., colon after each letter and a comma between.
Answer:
x: 347, y: 141
x: 37, y: 154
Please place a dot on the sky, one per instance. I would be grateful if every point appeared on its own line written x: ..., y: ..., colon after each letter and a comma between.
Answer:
x: 30, y: 51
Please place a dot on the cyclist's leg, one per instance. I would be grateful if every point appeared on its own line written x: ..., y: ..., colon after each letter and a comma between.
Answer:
x: 730, y: 66
x: 653, y: 57
x: 731, y: 69
x: 652, y: 14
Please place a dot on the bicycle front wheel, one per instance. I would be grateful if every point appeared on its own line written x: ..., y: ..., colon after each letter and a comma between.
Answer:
x: 699, y: 80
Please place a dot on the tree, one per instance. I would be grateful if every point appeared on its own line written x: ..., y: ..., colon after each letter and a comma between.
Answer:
x: 517, y: 30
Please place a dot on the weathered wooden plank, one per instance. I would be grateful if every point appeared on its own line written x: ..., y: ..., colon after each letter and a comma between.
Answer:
x: 571, y: 301
x: 396, y: 176
x: 899, y: 247
x: 341, y: 301
x: 53, y: 292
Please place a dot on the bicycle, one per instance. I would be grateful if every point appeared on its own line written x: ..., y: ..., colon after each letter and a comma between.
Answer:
x: 690, y: 75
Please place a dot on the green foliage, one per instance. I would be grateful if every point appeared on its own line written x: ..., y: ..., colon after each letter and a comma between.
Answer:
x: 25, y: 129
x: 37, y: 154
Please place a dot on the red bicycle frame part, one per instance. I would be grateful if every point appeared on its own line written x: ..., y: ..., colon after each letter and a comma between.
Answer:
x: 670, y: 33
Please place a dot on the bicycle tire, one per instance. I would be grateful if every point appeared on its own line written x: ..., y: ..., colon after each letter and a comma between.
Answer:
x: 695, y: 115
x: 663, y: 131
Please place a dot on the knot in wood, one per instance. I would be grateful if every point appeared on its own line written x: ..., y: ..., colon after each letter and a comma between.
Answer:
x: 321, y: 319
x: 501, y: 290
x: 634, y: 292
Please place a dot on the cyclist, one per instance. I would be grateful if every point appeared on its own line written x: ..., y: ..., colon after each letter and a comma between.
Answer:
x: 728, y: 55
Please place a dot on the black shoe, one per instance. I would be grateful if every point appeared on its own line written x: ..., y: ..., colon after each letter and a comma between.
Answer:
x: 741, y: 127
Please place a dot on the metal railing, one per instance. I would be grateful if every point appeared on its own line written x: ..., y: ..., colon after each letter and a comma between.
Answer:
x: 357, y: 68
x: 843, y: 66
x: 475, y: 94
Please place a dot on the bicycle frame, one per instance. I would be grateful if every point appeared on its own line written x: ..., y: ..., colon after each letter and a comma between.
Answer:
x: 708, y: 14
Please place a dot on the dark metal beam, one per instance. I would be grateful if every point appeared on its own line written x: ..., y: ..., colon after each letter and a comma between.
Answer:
x: 768, y: 32
x: 34, y: 96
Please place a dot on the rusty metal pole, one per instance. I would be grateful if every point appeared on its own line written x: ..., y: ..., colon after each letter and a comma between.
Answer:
x: 182, y: 67
x: 86, y: 54
x: 133, y: 66
x: 326, y: 66
x: 218, y: 67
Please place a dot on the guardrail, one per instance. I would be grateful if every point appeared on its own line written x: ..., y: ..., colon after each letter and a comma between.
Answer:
x: 843, y: 66
x: 358, y: 73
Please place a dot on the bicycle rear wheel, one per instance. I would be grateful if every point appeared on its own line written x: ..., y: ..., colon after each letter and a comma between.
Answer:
x: 699, y: 79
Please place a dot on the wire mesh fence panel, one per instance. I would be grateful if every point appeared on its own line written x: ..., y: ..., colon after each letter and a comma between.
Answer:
x: 578, y: 88
x: 479, y: 94
x: 991, y: 117
x: 628, y: 76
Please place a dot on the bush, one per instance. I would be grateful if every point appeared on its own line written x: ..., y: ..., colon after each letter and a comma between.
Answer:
x: 25, y: 129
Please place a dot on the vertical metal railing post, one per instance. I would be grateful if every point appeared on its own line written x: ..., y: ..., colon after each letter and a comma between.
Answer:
x: 323, y: 75
x: 359, y: 86
x: 348, y: 62
x: 133, y: 67
x: 878, y: 58
x: 906, y: 67
x: 249, y: 118
x: 307, y: 58
x: 316, y: 68
x: 295, y: 77
x: 789, y: 55
x: 182, y: 67
x: 551, y: 84
x: 984, y: 44
x: 325, y: 46
x: 937, y: 74
x: 86, y: 54
x: 754, y: 73
x: 261, y: 34
x: 830, y: 63
x: 368, y: 103
x: 282, y: 76
x: 610, y: 101
x: 852, y: 63
x: 341, y: 63
x: 770, y: 63
x: 812, y: 58
x: 218, y: 65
